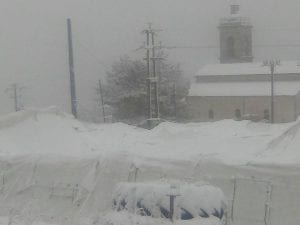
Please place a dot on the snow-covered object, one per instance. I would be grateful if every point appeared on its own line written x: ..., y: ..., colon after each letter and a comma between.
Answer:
x: 153, y: 199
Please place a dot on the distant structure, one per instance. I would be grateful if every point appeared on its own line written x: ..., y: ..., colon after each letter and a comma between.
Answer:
x: 235, y: 37
x: 240, y: 89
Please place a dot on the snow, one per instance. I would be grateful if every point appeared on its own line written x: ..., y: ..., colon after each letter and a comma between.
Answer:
x: 197, y: 199
x: 285, y: 67
x: 35, y: 133
x: 57, y: 170
x: 126, y: 218
x: 281, y: 88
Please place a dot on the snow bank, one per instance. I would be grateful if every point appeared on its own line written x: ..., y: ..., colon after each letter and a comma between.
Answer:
x: 231, y: 142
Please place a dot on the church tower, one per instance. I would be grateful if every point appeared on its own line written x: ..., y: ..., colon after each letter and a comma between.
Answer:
x: 235, y: 37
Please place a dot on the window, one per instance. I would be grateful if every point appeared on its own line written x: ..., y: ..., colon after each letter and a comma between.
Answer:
x: 211, y: 114
x: 266, y: 114
x: 230, y: 47
x: 238, y: 114
x: 234, y: 9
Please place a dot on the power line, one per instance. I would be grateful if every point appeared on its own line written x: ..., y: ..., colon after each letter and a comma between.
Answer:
x: 217, y: 47
x: 89, y: 52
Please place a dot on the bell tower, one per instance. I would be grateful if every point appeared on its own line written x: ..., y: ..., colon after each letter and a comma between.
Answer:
x: 235, y: 37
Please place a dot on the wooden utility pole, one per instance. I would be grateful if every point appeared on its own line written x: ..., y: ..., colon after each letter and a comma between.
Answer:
x: 102, y: 101
x: 272, y: 64
x: 272, y: 67
x: 72, y: 73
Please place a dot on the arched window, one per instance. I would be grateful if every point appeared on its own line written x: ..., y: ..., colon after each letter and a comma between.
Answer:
x: 238, y: 114
x: 211, y: 114
x: 230, y: 47
x: 266, y: 114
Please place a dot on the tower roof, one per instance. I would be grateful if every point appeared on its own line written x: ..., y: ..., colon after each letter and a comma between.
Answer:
x: 235, y: 17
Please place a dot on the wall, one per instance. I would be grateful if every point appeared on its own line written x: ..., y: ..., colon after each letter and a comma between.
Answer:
x: 224, y: 107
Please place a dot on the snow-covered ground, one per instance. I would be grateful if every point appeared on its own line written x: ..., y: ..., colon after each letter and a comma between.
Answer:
x: 57, y: 170
x: 230, y: 142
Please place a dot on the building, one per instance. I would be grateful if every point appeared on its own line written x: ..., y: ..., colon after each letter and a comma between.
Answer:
x: 240, y: 89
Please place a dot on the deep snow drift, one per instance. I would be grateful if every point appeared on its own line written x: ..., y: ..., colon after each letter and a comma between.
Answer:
x: 230, y: 142
x: 57, y: 170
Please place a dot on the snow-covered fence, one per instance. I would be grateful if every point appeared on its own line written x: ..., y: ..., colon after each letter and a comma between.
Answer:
x: 262, y: 202
x: 271, y: 198
x: 250, y: 201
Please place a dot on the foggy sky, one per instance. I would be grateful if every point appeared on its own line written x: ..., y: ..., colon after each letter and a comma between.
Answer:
x: 33, y: 40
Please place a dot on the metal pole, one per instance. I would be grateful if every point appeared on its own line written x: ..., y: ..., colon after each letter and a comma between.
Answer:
x: 155, y: 76
x: 72, y: 73
x: 174, y: 100
x: 148, y: 74
x: 172, y: 197
x: 102, y: 101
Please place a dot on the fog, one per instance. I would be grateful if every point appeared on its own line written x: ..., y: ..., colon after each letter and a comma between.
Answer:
x: 33, y: 40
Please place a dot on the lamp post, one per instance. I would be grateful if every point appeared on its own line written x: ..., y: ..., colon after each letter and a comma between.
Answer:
x: 272, y: 64
x: 173, y: 194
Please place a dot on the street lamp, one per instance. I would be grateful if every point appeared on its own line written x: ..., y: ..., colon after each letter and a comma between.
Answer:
x: 272, y: 64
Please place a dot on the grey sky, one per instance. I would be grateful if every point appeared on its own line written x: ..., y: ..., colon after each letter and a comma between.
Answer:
x: 33, y: 39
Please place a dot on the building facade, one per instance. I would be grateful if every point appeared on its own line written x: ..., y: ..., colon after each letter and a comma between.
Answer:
x: 237, y: 88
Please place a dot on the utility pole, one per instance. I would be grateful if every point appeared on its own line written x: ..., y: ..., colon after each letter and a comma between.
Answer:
x: 155, y: 78
x: 152, y: 78
x: 149, y: 92
x: 272, y: 64
x: 102, y: 100
x: 15, y: 95
x: 71, y: 68
x: 174, y: 100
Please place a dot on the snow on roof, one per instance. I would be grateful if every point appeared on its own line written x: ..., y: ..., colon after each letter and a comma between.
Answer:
x: 285, y: 67
x: 244, y: 89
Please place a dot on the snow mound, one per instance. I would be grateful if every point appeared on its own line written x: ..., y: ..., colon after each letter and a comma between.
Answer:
x: 152, y: 199
x: 49, y: 131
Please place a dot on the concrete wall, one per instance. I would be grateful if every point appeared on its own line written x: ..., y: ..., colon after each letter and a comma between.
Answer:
x: 287, y: 108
